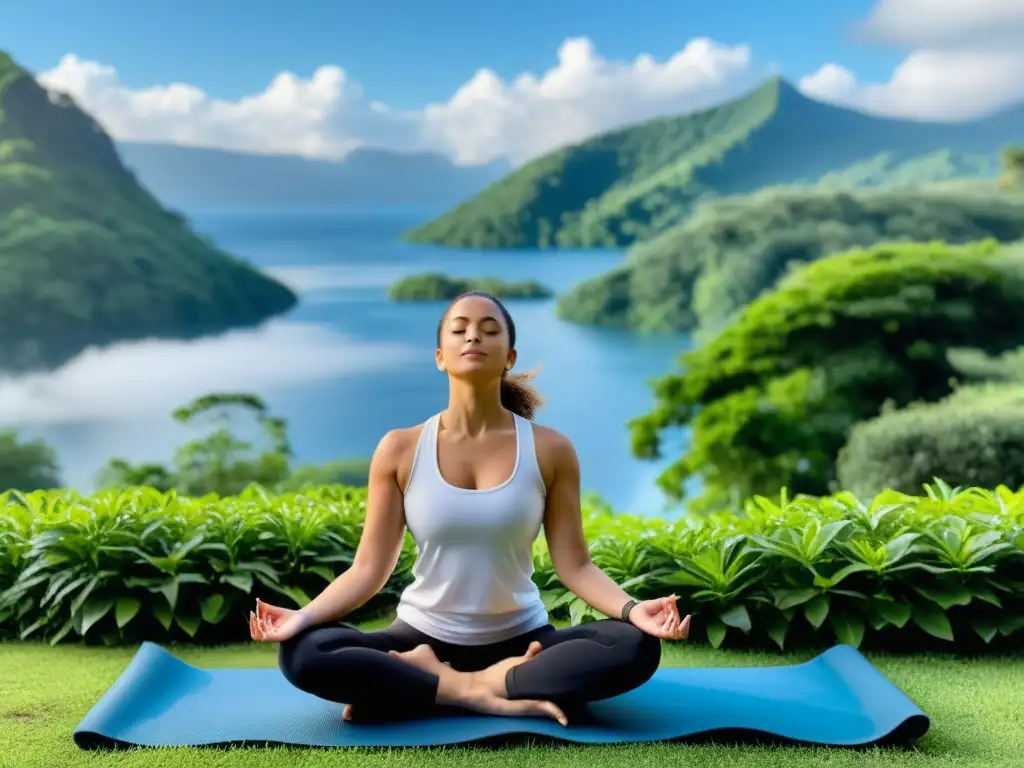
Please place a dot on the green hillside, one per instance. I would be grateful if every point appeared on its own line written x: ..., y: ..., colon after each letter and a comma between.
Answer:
x: 87, y: 256
x: 635, y: 183
x: 730, y: 251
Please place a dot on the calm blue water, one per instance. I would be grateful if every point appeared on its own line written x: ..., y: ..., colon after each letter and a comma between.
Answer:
x: 348, y: 364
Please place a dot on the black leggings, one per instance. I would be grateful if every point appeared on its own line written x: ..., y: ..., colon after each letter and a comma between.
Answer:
x: 591, y: 661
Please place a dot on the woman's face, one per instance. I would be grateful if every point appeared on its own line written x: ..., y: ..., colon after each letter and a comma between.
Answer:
x: 474, y: 340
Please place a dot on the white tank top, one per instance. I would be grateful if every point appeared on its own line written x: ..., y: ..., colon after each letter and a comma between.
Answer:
x: 473, y: 574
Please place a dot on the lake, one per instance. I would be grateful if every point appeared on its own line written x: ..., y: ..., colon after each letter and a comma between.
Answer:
x: 348, y: 364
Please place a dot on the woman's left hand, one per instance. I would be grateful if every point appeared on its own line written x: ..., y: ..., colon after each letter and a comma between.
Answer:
x: 660, y: 618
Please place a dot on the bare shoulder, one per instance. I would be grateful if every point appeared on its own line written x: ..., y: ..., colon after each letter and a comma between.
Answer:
x: 395, y: 452
x: 555, y: 453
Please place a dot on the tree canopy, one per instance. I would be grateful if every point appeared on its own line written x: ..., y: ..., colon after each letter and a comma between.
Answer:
x: 771, y: 399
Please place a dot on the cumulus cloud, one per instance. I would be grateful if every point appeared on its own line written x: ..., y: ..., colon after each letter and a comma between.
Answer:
x: 584, y: 94
x: 966, y: 60
x: 327, y: 115
x: 945, y: 24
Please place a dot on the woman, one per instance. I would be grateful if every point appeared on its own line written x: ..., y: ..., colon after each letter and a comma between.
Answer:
x: 474, y: 484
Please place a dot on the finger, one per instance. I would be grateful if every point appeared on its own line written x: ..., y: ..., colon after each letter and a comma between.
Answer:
x: 534, y: 649
x: 684, y: 630
x: 346, y: 713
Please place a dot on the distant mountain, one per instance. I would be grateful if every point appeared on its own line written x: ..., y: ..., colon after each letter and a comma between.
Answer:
x: 190, y: 178
x: 87, y: 256
x: 635, y: 183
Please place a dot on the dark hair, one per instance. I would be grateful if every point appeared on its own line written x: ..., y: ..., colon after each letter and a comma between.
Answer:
x: 516, y: 394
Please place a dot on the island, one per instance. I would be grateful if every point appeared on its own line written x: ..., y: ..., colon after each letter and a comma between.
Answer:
x: 434, y: 286
x: 89, y: 257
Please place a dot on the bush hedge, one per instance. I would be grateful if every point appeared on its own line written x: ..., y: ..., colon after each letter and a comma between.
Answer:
x: 945, y: 569
x: 973, y: 437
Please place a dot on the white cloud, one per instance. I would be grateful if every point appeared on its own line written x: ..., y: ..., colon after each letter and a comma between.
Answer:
x: 944, y: 24
x: 581, y: 96
x: 966, y: 60
x: 133, y: 381
x: 322, y: 116
x: 327, y: 115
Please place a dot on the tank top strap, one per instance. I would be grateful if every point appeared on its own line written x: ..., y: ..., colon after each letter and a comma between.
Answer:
x: 424, y: 458
x: 527, y: 460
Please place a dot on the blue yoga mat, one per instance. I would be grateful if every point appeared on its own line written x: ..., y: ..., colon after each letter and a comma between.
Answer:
x: 837, y: 698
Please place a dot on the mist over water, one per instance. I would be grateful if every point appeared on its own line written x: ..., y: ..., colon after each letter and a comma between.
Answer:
x: 348, y: 364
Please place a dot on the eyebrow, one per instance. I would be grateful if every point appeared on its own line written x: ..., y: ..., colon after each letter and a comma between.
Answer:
x: 463, y: 317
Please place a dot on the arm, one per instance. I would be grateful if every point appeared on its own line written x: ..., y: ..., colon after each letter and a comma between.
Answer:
x: 563, y: 529
x: 380, y: 544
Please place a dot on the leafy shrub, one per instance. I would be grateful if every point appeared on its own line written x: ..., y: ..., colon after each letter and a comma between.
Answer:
x: 973, y: 437
x: 138, y: 564
x: 772, y: 398
x: 898, y: 571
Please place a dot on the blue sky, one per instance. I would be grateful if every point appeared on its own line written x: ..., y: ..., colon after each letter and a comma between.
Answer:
x: 409, y: 52
x: 497, y: 79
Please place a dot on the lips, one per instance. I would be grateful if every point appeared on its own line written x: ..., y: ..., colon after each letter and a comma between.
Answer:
x: 474, y: 353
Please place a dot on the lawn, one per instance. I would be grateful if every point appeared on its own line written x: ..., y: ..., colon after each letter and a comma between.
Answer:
x: 976, y: 706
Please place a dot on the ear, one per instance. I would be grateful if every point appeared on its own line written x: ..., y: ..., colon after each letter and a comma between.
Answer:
x: 439, y: 360
x: 511, y: 360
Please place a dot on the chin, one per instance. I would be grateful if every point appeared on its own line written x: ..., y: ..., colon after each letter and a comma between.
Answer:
x: 476, y: 370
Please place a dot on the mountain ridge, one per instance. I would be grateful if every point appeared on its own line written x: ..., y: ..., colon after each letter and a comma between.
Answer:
x: 633, y: 183
x: 88, y: 257
x: 195, y: 177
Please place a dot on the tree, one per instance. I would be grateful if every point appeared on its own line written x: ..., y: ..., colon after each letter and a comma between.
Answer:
x: 220, y: 462
x: 1013, y: 168
x: 27, y: 466
x: 772, y: 398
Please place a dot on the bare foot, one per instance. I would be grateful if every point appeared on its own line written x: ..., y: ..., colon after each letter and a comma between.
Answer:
x: 482, y: 691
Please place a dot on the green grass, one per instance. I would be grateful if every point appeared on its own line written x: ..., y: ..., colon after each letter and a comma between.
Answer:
x: 973, y: 703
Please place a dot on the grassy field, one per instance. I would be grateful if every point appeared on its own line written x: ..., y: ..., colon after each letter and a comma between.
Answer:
x: 975, y: 706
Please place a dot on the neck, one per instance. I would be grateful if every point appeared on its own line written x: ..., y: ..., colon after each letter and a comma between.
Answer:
x: 474, y: 408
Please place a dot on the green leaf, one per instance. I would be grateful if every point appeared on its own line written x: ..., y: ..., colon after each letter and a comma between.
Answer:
x: 933, y: 620
x: 683, y: 578
x: 716, y: 633
x: 323, y: 572
x: 125, y: 610
x: 982, y: 592
x: 790, y: 598
x: 1009, y: 624
x: 848, y: 627
x: 827, y: 582
x: 163, y: 613
x: 576, y: 610
x: 241, y: 581
x: 895, y: 612
x: 95, y: 609
x: 776, y: 625
x: 188, y: 621
x: 737, y: 617
x: 816, y: 610
x: 986, y: 629
x: 169, y: 589
x: 876, y: 619
x: 947, y: 595
x: 211, y: 608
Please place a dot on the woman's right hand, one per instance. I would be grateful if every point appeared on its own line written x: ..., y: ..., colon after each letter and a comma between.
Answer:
x: 273, y: 624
